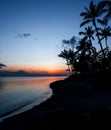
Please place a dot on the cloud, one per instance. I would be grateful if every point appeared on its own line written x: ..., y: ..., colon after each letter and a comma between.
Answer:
x: 2, y: 65
x: 23, y: 35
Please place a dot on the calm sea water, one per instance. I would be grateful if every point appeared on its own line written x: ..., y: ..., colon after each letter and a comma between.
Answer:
x: 18, y: 94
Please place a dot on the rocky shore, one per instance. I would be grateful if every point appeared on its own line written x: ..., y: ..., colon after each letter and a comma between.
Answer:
x: 76, y: 103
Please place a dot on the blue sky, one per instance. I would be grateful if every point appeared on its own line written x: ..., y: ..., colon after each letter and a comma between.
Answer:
x: 31, y: 31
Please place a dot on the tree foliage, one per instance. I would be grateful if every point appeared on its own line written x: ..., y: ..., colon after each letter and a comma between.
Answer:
x: 82, y: 56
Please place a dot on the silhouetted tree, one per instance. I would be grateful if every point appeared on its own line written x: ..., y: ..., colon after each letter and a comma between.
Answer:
x: 85, y: 54
x: 92, y: 15
x: 107, y: 5
x: 88, y: 34
x: 81, y: 56
x: 105, y: 33
x: 65, y: 55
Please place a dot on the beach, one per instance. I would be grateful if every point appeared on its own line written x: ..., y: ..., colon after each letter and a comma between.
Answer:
x: 37, y: 90
x: 73, y: 105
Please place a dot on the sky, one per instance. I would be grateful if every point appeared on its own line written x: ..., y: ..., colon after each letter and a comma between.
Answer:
x: 31, y: 32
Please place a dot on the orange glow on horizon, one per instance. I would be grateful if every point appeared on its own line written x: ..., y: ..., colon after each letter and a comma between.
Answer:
x: 55, y: 71
x: 37, y: 69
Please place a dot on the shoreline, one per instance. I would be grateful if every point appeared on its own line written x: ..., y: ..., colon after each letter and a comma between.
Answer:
x: 19, y: 110
x: 81, y: 102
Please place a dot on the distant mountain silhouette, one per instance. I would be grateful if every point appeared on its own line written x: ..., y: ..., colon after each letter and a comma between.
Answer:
x: 24, y: 73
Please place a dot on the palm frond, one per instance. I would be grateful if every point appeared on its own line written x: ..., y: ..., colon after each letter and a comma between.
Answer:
x: 102, y: 38
x: 82, y: 33
x: 92, y: 7
x: 87, y: 10
x: 88, y: 16
x: 85, y: 22
x: 83, y: 14
x: 100, y: 9
x: 93, y: 38
x: 102, y: 22
x: 108, y: 15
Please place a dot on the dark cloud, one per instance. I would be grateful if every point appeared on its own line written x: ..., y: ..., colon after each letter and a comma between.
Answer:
x: 23, y: 35
x: 2, y: 65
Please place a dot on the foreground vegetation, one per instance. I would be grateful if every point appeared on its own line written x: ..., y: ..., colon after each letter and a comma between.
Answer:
x: 83, y: 56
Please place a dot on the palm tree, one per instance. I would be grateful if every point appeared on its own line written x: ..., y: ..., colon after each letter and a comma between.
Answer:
x: 87, y: 55
x: 65, y: 55
x: 81, y: 54
x: 107, y: 4
x: 88, y: 34
x: 82, y: 46
x: 105, y: 33
x: 108, y: 16
x: 86, y: 48
x: 72, y: 59
x: 92, y: 15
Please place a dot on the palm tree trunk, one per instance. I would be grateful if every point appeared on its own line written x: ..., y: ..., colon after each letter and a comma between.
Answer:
x: 106, y: 43
x: 68, y: 66
x: 99, y: 41
x: 92, y: 49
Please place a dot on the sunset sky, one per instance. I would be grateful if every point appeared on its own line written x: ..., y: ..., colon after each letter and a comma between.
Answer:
x: 31, y: 32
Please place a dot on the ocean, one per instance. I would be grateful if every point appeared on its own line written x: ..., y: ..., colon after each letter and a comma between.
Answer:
x: 18, y: 94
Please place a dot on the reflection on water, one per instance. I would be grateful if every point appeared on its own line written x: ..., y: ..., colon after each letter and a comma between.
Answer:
x: 23, y: 92
x: 1, y: 85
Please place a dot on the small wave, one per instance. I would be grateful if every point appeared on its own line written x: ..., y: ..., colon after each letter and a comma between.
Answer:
x: 26, y: 106
x: 10, y: 112
x: 16, y: 110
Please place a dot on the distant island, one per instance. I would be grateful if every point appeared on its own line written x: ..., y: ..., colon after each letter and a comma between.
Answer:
x: 25, y: 73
